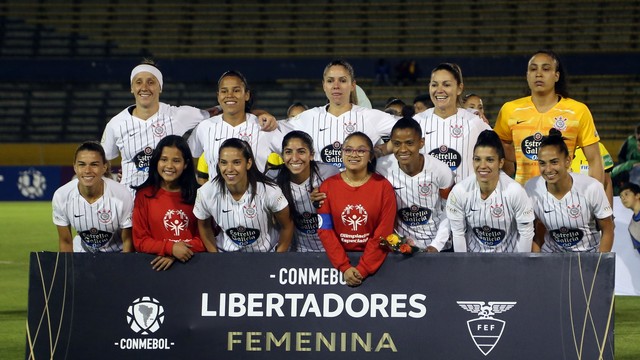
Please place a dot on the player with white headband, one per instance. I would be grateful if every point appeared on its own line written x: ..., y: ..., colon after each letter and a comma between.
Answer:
x: 136, y: 130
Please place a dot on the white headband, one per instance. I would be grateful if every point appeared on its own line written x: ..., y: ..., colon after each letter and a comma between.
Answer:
x: 148, y: 68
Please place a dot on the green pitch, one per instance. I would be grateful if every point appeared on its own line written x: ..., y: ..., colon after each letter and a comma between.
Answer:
x: 27, y: 227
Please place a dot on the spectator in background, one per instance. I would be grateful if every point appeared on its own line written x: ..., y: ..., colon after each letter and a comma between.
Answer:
x: 295, y: 109
x: 630, y: 198
x: 394, y: 106
x: 522, y: 123
x: 422, y: 103
x: 489, y: 211
x: 360, y: 208
x: 572, y: 210
x: 164, y: 224
x: 98, y: 208
x: 627, y: 169
x: 243, y: 202
x: 473, y: 103
x: 580, y: 165
x: 383, y: 72
x: 236, y: 121
x: 450, y: 131
x: 407, y: 72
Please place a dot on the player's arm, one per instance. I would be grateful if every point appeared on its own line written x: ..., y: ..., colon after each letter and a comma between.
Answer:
x: 286, y: 230
x: 65, y: 239
x: 596, y: 167
x: 206, y: 235
x: 606, y: 226
x: 509, y: 166
x: 127, y: 240
x: 538, y: 237
x: 457, y: 222
x: 266, y: 121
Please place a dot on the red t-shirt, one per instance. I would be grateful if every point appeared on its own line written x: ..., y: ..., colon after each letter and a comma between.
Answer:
x: 161, y: 221
x: 360, y: 216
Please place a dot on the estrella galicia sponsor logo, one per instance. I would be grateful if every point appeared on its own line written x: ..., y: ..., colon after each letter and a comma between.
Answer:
x: 414, y: 215
x: 332, y: 154
x: 141, y: 160
x: 145, y: 315
x: 488, y: 235
x: 486, y: 330
x: 566, y: 237
x: 93, y: 239
x: 243, y: 236
x: 530, y: 146
x: 306, y: 222
x: 447, y: 155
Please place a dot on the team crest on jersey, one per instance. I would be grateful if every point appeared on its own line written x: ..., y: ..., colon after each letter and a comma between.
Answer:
x: 574, y: 210
x: 425, y: 189
x: 245, y: 137
x: 159, y: 129
x: 354, y: 216
x: 530, y: 145
x: 249, y: 211
x: 332, y: 154
x: 560, y: 123
x: 457, y: 131
x: 176, y: 221
x: 104, y: 215
x: 349, y: 127
x: 447, y: 155
x: 488, y: 235
x: 486, y: 330
x: 497, y: 210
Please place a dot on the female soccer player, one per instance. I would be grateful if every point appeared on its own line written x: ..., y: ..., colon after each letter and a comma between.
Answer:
x: 522, y: 123
x: 236, y: 121
x: 329, y: 125
x: 242, y: 201
x: 163, y: 219
x: 489, y: 211
x: 450, y: 132
x: 136, y: 130
x: 297, y: 177
x: 422, y: 184
x: 360, y: 208
x: 98, y: 208
x: 572, y: 210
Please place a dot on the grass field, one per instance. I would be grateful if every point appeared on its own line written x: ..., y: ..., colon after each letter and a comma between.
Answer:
x: 27, y: 227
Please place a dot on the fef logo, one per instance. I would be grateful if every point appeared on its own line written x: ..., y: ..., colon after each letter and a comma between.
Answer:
x: 486, y: 331
x: 145, y: 315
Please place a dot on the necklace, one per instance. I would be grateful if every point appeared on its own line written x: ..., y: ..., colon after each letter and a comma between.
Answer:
x: 356, y: 183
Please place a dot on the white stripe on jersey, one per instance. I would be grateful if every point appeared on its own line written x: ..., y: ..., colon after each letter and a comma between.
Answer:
x: 98, y: 225
x: 211, y: 133
x: 452, y: 139
x: 246, y: 226
x: 490, y: 225
x: 328, y: 131
x: 305, y: 233
x: 420, y: 207
x: 134, y: 139
x: 571, y: 221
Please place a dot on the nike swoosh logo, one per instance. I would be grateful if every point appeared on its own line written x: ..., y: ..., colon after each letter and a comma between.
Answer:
x: 429, y: 132
x: 398, y: 188
x: 218, y: 139
x: 225, y: 211
x: 520, y: 121
x: 324, y: 129
x: 548, y: 211
x: 77, y: 216
x: 474, y: 209
x: 132, y: 134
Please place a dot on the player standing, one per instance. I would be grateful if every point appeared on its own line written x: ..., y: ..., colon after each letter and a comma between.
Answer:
x: 98, y: 208
x: 572, y: 210
x: 489, y: 211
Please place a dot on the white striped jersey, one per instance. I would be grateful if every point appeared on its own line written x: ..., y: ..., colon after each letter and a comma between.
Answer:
x: 451, y: 140
x: 420, y: 207
x: 211, y: 133
x: 246, y: 225
x: 134, y: 139
x: 571, y: 221
x: 501, y: 223
x: 328, y: 131
x: 305, y: 235
x: 98, y: 225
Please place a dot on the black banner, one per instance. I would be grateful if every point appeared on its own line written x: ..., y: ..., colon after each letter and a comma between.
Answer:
x: 295, y: 305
